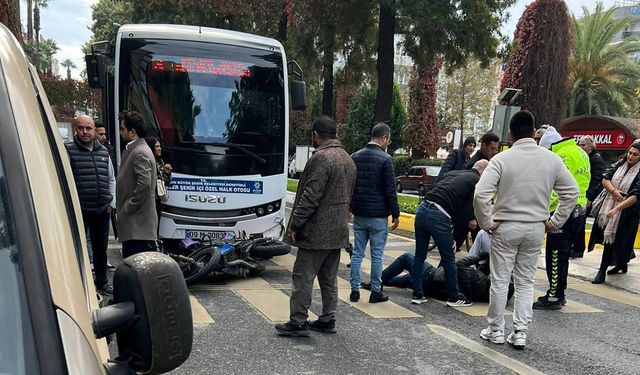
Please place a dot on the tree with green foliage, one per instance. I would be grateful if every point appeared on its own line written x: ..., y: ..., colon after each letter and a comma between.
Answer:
x: 451, y: 30
x: 68, y: 64
x: 539, y: 61
x: 41, y: 54
x: 106, y: 13
x: 355, y: 132
x: 466, y: 95
x: 603, y: 79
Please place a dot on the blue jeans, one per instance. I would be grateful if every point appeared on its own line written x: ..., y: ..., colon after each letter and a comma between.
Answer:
x: 430, y: 221
x: 373, y: 230
x: 391, y: 275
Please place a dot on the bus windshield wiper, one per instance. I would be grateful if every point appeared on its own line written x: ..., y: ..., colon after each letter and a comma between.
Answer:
x: 237, y: 146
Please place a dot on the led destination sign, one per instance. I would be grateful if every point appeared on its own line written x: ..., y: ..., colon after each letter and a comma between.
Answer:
x: 204, y: 66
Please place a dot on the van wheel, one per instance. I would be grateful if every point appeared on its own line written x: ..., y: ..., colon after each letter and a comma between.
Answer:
x: 399, y: 187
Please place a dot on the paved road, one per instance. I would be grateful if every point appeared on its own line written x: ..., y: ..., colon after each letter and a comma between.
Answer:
x: 596, y: 333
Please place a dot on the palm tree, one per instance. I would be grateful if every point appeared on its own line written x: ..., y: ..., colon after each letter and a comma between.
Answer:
x: 30, y: 20
x: 46, y: 49
x: 603, y: 79
x: 68, y: 64
x: 37, y: 4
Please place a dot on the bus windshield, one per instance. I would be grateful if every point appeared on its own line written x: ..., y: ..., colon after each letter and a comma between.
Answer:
x: 217, y: 109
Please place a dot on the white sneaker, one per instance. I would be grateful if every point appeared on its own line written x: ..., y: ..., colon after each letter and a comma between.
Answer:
x: 418, y: 301
x: 494, y: 336
x: 517, y: 339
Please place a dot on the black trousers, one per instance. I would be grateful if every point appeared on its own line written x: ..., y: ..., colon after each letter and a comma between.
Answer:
x: 97, y: 225
x: 557, y: 253
x: 578, y: 245
x: 133, y: 247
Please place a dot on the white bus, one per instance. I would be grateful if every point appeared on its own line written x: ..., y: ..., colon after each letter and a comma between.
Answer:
x: 218, y: 101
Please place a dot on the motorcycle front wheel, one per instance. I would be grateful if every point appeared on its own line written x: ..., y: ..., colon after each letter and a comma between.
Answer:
x: 204, y: 261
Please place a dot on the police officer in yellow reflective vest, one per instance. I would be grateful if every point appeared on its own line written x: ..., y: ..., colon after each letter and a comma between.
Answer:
x: 559, y: 242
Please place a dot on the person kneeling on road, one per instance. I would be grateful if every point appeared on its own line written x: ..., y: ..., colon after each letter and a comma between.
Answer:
x: 449, y: 200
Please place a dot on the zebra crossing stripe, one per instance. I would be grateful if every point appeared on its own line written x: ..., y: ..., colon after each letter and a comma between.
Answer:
x: 499, y: 358
x: 198, y: 312
x: 385, y: 310
x: 272, y: 303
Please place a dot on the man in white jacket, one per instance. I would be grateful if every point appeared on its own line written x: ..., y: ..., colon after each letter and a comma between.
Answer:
x: 521, y: 180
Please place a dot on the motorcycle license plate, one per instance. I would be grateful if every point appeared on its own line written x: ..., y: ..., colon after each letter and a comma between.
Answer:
x: 205, y: 234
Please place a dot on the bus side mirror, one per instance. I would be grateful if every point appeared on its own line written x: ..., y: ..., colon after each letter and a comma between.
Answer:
x: 96, y: 70
x: 298, y: 90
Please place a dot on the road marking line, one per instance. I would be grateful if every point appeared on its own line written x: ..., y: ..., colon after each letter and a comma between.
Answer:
x: 477, y: 309
x: 606, y: 292
x: 572, y: 307
x: 198, y: 312
x: 384, y: 310
x: 499, y: 358
x: 273, y: 304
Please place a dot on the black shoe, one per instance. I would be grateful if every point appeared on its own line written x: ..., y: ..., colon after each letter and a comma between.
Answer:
x: 575, y: 254
x: 376, y: 297
x: 563, y: 300
x: 105, y: 289
x: 599, y: 278
x: 354, y: 296
x: 326, y: 327
x: 545, y: 303
x: 367, y: 286
x: 461, y: 301
x: 292, y: 329
x: 617, y: 269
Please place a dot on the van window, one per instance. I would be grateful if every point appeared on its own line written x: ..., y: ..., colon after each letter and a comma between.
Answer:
x: 17, y: 348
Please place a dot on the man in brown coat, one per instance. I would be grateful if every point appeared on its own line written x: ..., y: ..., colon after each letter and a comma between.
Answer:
x: 135, y: 189
x: 319, y: 228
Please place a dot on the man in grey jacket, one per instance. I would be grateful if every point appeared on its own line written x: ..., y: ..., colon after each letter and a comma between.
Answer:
x: 319, y: 228
x: 135, y: 189
x: 521, y: 180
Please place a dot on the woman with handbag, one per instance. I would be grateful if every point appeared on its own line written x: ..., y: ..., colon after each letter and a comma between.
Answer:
x: 164, y: 175
x: 616, y: 222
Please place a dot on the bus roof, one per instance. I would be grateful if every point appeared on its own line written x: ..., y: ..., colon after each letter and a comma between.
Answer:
x: 208, y: 34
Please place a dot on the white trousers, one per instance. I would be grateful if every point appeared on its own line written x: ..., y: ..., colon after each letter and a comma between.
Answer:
x: 515, y: 249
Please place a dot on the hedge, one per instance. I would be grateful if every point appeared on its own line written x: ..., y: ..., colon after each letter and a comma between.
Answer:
x: 401, y: 164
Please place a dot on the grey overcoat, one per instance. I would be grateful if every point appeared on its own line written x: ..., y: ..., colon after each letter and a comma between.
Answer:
x: 135, y: 194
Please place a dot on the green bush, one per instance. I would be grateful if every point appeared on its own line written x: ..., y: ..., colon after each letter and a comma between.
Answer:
x: 429, y: 162
x: 401, y: 165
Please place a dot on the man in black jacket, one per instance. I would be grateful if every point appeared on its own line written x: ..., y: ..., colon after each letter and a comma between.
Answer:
x: 94, y: 180
x: 598, y: 166
x: 449, y: 200
x: 458, y: 157
x: 374, y: 199
x: 489, y: 147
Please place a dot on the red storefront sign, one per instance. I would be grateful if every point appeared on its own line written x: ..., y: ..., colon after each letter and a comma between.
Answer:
x: 604, y: 139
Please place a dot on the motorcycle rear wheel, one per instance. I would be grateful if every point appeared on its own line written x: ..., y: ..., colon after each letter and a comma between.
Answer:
x: 269, y: 249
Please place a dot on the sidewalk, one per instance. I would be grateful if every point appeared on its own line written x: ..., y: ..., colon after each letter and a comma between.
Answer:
x: 584, y: 268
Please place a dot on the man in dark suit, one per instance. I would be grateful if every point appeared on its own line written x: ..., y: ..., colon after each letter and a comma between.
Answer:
x: 135, y: 189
